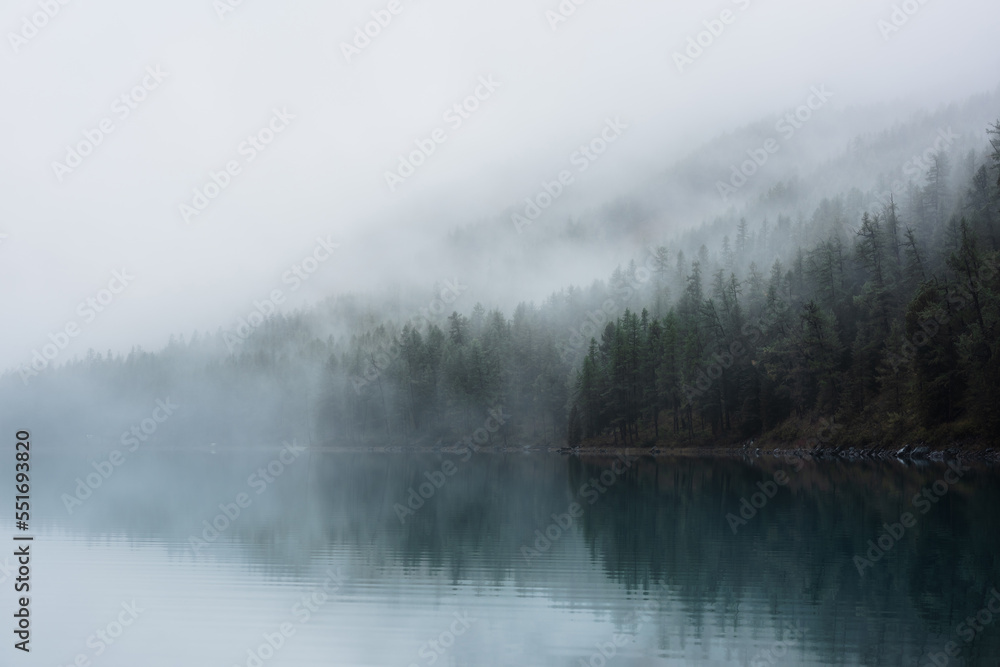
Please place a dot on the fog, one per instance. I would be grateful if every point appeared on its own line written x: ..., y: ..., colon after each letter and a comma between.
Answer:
x: 524, y: 333
x: 223, y: 71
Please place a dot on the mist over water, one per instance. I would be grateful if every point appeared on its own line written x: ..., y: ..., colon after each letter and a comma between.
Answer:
x: 534, y: 333
x: 649, y: 567
x: 222, y: 75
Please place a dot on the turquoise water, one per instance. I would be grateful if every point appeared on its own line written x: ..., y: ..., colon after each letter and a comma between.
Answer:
x: 510, y: 559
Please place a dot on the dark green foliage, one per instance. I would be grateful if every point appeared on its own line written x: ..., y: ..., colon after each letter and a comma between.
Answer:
x: 906, y: 329
x: 886, y: 320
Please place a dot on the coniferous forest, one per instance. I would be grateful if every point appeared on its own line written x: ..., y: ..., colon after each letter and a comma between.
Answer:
x: 872, y: 320
x: 553, y: 334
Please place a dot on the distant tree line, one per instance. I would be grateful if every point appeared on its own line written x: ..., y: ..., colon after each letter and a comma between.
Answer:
x: 890, y: 325
x: 878, y: 313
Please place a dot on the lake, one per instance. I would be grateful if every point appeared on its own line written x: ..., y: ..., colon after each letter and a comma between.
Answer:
x: 284, y: 557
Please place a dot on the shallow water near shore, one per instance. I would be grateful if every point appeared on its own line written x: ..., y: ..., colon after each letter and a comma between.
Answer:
x: 225, y: 558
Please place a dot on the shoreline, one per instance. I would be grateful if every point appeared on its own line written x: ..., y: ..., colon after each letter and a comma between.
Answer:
x: 922, y: 453
x: 904, y: 454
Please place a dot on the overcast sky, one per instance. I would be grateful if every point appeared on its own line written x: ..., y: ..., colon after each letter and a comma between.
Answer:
x: 279, y: 69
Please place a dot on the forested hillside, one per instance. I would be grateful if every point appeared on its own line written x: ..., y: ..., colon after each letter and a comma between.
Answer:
x: 887, y: 325
x: 874, y: 317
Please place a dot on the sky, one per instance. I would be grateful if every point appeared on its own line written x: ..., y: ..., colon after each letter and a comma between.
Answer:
x: 121, y: 118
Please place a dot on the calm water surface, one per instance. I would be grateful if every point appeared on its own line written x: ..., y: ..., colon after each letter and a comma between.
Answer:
x: 630, y: 565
